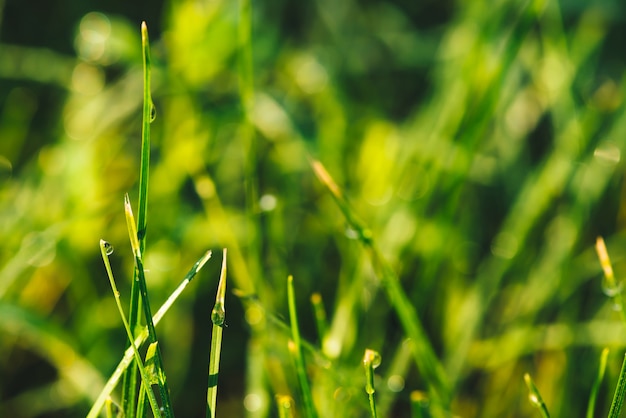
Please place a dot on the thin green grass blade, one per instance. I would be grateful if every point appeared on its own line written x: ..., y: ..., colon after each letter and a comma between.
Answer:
x: 105, y: 249
x: 143, y: 289
x: 218, y: 315
x: 535, y: 397
x: 620, y: 391
x: 134, y: 317
x: 320, y: 315
x: 371, y: 360
x: 424, y: 354
x: 142, y: 336
x: 295, y: 347
x: 596, y: 384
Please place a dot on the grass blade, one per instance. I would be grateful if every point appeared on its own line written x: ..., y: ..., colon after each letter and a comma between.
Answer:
x: 218, y: 316
x: 371, y: 360
x: 105, y: 249
x: 596, y: 384
x: 424, y: 354
x: 620, y: 391
x: 535, y: 397
x: 143, y: 289
x: 142, y: 336
x: 130, y: 378
x: 320, y: 315
x: 295, y: 347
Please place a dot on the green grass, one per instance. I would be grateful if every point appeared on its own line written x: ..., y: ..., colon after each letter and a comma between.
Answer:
x: 431, y: 181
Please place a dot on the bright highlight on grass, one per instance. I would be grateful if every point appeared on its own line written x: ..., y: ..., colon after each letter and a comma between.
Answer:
x: 535, y: 397
x: 371, y: 360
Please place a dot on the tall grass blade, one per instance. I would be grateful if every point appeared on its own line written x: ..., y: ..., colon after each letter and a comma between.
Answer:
x: 620, y: 391
x: 134, y: 317
x: 218, y: 315
x: 424, y: 354
x: 295, y: 347
x: 142, y: 336
x: 105, y: 249
x: 143, y: 289
x: 535, y: 397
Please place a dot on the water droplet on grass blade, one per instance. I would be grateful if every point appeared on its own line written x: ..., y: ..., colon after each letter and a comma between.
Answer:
x: 153, y: 112
x: 108, y: 248
x: 610, y: 287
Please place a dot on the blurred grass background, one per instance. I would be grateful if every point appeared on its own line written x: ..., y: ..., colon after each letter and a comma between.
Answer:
x: 480, y: 142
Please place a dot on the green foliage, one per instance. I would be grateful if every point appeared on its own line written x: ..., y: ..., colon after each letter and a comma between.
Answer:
x: 469, y: 156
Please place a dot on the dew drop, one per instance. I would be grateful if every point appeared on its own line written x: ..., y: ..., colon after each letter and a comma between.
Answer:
x: 372, y: 358
x: 153, y: 112
x: 534, y: 400
x: 611, y: 288
x: 108, y: 248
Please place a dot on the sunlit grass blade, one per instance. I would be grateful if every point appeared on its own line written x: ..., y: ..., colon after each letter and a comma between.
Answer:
x: 143, y: 289
x: 424, y: 354
x: 134, y: 316
x: 218, y: 315
x: 295, y: 348
x: 596, y: 384
x: 105, y: 249
x: 371, y: 360
x: 320, y: 315
x: 610, y: 285
x: 620, y: 391
x: 128, y: 358
x: 535, y: 397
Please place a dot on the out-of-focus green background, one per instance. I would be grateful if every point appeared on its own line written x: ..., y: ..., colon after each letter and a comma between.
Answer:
x: 481, y: 143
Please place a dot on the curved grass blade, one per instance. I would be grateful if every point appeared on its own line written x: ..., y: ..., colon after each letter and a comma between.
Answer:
x: 105, y: 250
x: 143, y: 336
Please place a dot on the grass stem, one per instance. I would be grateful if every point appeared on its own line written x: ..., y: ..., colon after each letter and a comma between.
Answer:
x: 218, y: 316
x: 371, y: 360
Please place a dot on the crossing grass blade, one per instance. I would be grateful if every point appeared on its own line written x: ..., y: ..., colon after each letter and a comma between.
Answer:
x: 218, y: 316
x: 145, y: 304
x: 142, y: 336
x: 105, y: 251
